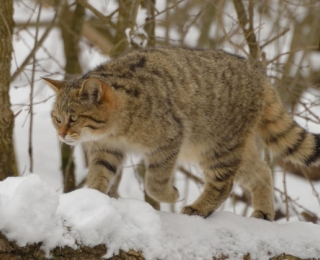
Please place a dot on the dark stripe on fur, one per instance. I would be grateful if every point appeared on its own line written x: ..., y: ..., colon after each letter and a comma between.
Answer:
x: 160, y: 148
x: 139, y: 64
x: 93, y: 119
x: 92, y: 127
x: 164, y: 180
x: 225, y: 176
x: 229, y: 170
x: 170, y: 144
x: 70, y: 110
x: 115, y: 153
x: 162, y: 162
x: 227, y: 150
x: 271, y: 121
x: 107, y: 165
x: 316, y: 152
x: 219, y: 190
x: 297, y: 144
x: 106, y: 74
x: 275, y: 138
x: 221, y: 165
x: 130, y: 91
x: 175, y: 118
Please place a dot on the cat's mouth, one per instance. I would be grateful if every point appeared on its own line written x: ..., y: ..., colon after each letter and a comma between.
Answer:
x: 69, y: 141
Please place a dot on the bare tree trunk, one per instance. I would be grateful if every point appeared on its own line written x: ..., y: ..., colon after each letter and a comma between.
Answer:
x: 150, y: 25
x: 70, y: 24
x: 8, y: 166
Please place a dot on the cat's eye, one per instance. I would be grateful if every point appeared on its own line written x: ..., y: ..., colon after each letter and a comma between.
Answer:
x: 73, y: 118
x: 58, y: 120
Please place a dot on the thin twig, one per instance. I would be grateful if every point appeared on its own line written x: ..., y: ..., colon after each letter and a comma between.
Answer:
x: 275, y: 38
x: 194, y: 20
x: 314, y: 191
x: 285, y: 195
x: 292, y: 51
x: 106, y: 19
x: 31, y: 93
x: 293, y: 202
x: 34, y: 50
x: 35, y: 103
x: 190, y: 175
x: 309, y: 111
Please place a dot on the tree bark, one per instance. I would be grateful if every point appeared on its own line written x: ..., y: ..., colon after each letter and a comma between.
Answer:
x: 8, y: 166
x: 150, y: 25
x: 247, y: 22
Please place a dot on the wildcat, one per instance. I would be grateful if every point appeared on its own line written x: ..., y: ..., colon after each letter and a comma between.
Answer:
x: 173, y: 104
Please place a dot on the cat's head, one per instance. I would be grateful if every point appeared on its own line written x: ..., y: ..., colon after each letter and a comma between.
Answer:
x: 83, y: 111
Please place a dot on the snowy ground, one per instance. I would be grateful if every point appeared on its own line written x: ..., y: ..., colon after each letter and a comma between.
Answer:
x: 32, y: 211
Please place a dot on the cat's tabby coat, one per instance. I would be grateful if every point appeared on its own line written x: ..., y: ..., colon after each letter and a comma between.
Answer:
x: 172, y: 104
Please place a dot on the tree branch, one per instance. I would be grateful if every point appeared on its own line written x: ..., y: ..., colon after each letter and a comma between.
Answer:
x: 34, y: 50
x: 244, y: 21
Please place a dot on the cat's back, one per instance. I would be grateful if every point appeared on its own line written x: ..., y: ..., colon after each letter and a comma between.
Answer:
x: 209, y: 94
x: 194, y: 83
x: 184, y: 70
x: 199, y: 82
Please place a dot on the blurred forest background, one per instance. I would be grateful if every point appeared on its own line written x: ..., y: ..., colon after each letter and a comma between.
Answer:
x: 282, y: 35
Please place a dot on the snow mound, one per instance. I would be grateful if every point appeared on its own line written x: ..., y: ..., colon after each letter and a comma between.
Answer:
x: 124, y: 224
x: 28, y: 208
x: 31, y: 211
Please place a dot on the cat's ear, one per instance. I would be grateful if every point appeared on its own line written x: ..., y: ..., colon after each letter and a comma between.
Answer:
x: 56, y: 85
x: 91, y: 90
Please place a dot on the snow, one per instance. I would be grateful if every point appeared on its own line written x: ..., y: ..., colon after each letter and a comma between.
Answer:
x: 28, y: 212
x: 32, y: 211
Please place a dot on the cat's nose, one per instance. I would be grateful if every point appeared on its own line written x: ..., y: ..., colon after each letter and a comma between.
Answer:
x: 62, y: 135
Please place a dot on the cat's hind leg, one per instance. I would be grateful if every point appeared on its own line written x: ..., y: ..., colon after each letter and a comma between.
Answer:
x: 255, y: 177
x: 220, y: 165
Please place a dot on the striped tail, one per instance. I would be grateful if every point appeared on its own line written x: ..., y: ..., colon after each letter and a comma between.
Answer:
x: 283, y: 136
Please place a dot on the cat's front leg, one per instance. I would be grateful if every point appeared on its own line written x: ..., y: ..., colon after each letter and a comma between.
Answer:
x: 159, y: 175
x: 104, y: 164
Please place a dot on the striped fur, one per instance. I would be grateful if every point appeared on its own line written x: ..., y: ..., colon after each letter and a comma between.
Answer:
x: 171, y: 105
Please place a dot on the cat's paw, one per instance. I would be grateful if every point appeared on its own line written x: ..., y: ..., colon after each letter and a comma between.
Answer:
x: 261, y: 215
x: 191, y: 211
